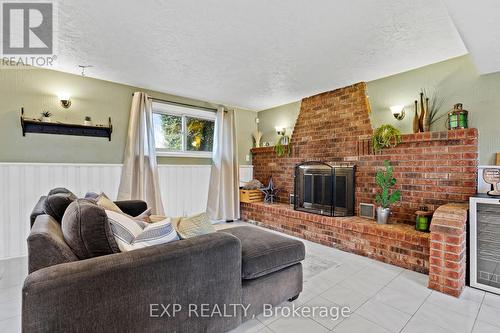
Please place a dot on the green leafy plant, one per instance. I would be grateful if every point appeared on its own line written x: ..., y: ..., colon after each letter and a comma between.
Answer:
x: 385, y: 180
x: 283, y: 149
x: 46, y: 114
x: 385, y: 136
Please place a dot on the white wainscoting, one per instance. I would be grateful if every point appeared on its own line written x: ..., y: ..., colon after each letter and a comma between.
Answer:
x: 184, y: 190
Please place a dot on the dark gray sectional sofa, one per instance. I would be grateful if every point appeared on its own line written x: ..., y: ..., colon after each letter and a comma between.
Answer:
x: 209, y: 283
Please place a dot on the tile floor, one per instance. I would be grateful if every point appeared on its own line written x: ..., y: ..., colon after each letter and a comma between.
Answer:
x: 383, y: 298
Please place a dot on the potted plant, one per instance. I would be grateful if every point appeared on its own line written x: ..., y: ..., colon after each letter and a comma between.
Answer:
x: 385, y: 136
x: 384, y: 199
x: 46, y: 117
x: 87, y: 121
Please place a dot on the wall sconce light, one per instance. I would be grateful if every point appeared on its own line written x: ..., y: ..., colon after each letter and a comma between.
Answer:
x: 280, y: 130
x: 398, y: 111
x: 65, y: 100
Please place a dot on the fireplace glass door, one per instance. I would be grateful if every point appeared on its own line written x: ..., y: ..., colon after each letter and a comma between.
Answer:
x: 324, y: 189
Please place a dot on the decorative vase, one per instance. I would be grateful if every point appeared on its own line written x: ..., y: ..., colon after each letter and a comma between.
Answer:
x: 427, y: 119
x: 257, y: 135
x: 422, y: 113
x: 46, y: 120
x: 383, y: 215
x: 416, y: 127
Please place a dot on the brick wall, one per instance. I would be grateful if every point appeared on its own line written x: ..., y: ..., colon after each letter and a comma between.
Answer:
x: 432, y: 169
x: 448, y: 249
x: 397, y: 244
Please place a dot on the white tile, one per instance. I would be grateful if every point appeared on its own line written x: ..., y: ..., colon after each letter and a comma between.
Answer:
x: 472, y: 294
x: 418, y: 326
x: 441, y: 316
x: 337, y: 274
x: 490, y: 315
x: 318, y: 283
x: 276, y: 313
x: 383, y: 315
x: 362, y: 285
x: 11, y: 325
x: 462, y: 306
x: 407, y: 301
x: 482, y: 327
x: 325, y: 312
x: 407, y: 280
x: 357, y: 324
x: 250, y: 326
x: 492, y: 300
x: 345, y: 296
x: 296, y: 325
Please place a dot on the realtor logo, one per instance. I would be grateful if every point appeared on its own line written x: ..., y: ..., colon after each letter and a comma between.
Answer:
x: 27, y: 28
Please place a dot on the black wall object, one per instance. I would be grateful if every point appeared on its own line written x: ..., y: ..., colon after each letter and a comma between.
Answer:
x: 35, y: 126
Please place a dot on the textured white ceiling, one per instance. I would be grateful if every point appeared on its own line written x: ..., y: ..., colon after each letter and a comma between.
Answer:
x: 478, y: 23
x: 252, y: 54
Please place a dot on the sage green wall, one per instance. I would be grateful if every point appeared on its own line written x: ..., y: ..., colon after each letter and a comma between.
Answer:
x: 36, y: 90
x: 455, y: 81
x: 283, y: 116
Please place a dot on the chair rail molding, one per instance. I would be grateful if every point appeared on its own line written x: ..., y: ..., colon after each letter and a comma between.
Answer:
x: 184, y: 190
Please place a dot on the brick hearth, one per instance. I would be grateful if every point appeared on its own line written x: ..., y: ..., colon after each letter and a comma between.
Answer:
x: 432, y: 169
x: 397, y: 244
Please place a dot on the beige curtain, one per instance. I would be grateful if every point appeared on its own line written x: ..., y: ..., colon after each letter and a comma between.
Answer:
x: 223, y: 194
x: 139, y: 178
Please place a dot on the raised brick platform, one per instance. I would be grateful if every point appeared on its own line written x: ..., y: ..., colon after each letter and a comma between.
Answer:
x: 397, y: 244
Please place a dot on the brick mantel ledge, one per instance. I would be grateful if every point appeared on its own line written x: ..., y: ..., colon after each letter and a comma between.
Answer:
x: 448, y: 249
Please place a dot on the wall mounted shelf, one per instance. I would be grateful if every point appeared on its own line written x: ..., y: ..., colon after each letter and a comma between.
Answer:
x: 36, y: 126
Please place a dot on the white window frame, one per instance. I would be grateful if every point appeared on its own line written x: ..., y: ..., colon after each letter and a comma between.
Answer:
x: 183, y: 111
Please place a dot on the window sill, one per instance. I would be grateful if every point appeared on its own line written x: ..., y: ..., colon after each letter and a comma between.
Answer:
x: 184, y: 154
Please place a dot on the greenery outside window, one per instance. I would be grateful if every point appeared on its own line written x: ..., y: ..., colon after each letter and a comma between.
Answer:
x: 183, y: 131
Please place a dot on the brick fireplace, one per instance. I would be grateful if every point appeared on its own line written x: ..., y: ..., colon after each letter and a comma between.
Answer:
x: 432, y: 169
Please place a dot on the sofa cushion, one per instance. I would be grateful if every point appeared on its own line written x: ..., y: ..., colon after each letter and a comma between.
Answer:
x: 87, y: 231
x: 264, y: 252
x: 192, y: 226
x: 131, y: 234
x: 56, y: 203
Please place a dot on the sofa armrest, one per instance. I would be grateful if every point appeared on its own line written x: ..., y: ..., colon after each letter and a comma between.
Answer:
x: 127, y: 292
x: 46, y: 244
x: 132, y: 207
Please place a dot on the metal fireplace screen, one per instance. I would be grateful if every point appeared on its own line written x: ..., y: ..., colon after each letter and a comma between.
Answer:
x: 324, y: 189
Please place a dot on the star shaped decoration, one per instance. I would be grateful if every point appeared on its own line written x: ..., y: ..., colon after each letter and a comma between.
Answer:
x: 270, y: 192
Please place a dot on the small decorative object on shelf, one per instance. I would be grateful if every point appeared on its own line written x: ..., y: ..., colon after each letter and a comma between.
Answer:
x: 257, y: 136
x: 282, y: 146
x: 458, y: 118
x: 384, y: 198
x: 30, y: 125
x: 87, y: 121
x: 46, y: 117
x: 498, y: 159
x: 270, y: 192
x: 430, y: 105
x: 423, y: 219
x: 250, y: 196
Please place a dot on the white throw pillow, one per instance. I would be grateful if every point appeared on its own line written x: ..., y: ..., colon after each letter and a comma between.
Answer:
x: 131, y: 234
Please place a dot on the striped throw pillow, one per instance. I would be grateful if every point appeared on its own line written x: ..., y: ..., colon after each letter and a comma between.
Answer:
x: 131, y: 234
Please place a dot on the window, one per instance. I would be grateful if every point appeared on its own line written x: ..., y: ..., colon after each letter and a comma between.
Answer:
x: 183, y: 131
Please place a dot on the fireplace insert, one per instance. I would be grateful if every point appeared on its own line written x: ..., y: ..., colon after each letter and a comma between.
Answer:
x: 324, y: 189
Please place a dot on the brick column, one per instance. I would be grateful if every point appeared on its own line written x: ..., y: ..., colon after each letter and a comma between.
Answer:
x: 448, y: 249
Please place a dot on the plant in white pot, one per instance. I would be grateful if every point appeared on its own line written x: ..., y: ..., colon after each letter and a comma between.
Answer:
x: 46, y: 117
x: 385, y: 198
